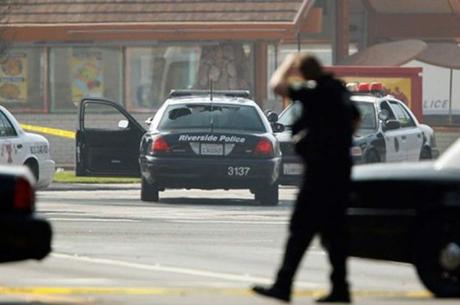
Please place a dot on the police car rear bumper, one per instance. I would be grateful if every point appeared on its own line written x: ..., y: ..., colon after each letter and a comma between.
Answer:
x: 292, y: 169
x: 210, y: 173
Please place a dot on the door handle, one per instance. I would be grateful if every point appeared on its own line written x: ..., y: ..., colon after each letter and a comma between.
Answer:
x: 403, y: 137
x: 19, y: 146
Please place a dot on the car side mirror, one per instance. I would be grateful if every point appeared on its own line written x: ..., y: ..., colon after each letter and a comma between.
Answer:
x: 149, y: 120
x: 272, y: 116
x: 392, y: 124
x: 278, y: 127
x: 123, y: 124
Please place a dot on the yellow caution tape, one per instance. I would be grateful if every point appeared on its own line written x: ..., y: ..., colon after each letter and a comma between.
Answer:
x: 50, y: 131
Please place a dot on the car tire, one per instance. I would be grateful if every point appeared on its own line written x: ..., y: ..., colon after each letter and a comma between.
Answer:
x: 149, y: 191
x: 268, y: 195
x: 432, y: 241
x: 372, y: 157
x: 425, y: 154
x: 33, y: 167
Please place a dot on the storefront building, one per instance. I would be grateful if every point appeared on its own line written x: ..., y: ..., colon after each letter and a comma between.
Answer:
x: 135, y: 52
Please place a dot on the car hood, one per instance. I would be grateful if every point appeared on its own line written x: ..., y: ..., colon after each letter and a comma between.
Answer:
x: 285, y: 136
x: 36, y: 138
x: 421, y: 170
x: 363, y: 133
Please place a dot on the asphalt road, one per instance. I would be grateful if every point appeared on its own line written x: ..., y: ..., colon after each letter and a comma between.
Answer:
x: 194, y: 247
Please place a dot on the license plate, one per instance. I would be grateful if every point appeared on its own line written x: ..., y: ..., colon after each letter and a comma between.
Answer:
x: 292, y: 169
x: 212, y: 149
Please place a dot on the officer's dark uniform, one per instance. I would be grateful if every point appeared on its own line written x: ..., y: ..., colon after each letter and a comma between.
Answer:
x: 326, y: 123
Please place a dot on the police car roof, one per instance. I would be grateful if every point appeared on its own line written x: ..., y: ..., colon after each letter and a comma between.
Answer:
x: 217, y: 99
x: 368, y: 98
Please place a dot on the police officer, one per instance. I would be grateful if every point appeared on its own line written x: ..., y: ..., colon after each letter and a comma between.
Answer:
x: 322, y: 137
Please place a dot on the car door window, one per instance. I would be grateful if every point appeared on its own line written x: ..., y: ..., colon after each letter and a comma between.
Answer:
x: 6, y: 128
x: 385, y: 106
x: 402, y: 115
x: 98, y: 116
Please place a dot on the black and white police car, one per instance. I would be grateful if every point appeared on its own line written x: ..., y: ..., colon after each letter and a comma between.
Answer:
x: 18, y: 147
x: 197, y: 139
x: 389, y: 132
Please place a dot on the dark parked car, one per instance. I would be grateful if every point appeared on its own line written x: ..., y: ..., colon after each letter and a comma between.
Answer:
x: 410, y: 212
x: 195, y: 140
x: 22, y: 235
x: 389, y: 132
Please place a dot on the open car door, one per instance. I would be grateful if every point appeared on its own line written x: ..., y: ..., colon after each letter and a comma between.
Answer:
x: 107, y: 140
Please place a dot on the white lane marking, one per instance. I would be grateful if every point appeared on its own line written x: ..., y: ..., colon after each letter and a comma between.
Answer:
x: 247, y: 278
x: 91, y: 219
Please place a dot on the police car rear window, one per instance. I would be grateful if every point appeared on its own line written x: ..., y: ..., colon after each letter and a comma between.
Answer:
x: 217, y: 116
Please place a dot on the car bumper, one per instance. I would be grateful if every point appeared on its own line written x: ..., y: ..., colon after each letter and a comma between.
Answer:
x: 24, y: 237
x: 291, y: 170
x: 209, y: 173
x: 46, y: 172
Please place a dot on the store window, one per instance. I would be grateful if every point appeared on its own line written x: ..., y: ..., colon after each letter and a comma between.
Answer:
x: 152, y: 72
x: 277, y: 54
x: 22, y: 80
x: 79, y: 72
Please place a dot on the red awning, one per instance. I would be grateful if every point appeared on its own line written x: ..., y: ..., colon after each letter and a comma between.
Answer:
x: 394, y: 53
x: 441, y: 54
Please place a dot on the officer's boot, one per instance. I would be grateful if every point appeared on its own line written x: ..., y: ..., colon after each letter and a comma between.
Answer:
x: 338, y: 294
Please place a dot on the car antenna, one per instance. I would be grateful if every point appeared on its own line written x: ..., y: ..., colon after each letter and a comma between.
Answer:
x: 212, y: 106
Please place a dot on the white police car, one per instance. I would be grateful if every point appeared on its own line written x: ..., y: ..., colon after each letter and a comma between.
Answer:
x: 21, y: 148
x: 389, y: 132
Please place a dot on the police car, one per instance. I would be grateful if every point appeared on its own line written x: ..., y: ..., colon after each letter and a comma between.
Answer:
x: 22, y: 234
x: 197, y: 139
x: 410, y: 212
x: 389, y: 132
x: 21, y: 148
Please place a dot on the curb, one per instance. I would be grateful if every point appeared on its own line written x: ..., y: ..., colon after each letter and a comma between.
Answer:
x: 92, y: 187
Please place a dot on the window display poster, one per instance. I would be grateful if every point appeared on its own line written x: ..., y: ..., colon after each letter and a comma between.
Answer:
x: 13, y: 78
x: 87, y: 75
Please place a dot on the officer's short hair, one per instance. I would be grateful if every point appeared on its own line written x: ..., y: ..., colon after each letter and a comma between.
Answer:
x: 309, y: 66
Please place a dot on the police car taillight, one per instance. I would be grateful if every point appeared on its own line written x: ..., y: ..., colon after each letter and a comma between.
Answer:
x: 159, y: 145
x: 264, y: 147
x: 24, y: 196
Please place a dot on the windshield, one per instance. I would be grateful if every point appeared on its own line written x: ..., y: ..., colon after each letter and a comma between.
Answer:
x: 199, y: 116
x: 288, y: 116
x: 368, y: 118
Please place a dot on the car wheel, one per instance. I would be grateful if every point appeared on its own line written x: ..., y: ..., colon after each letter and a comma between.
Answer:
x: 372, y: 157
x: 33, y: 167
x: 437, y: 257
x: 267, y: 195
x: 149, y: 191
x: 425, y: 154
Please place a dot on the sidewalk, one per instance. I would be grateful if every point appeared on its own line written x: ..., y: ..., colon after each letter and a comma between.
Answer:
x: 92, y: 186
